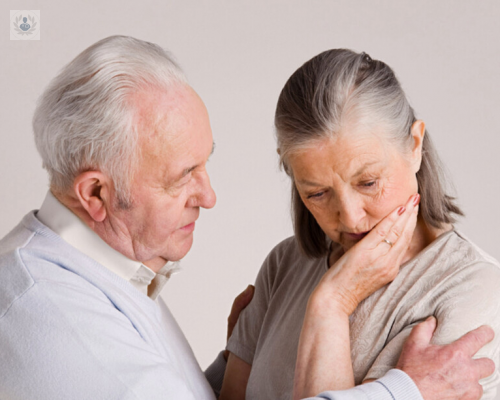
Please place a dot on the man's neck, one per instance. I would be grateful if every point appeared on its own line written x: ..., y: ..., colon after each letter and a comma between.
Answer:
x: 116, y: 239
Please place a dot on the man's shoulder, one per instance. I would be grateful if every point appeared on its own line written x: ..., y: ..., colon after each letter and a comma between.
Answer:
x: 15, y: 279
x: 32, y: 255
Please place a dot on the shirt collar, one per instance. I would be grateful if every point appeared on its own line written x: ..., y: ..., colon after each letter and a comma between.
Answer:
x: 74, y: 231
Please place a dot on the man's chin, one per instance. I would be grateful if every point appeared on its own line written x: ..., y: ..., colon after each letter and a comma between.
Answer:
x: 181, y: 250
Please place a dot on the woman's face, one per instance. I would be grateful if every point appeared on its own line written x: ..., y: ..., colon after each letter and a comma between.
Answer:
x: 352, y: 181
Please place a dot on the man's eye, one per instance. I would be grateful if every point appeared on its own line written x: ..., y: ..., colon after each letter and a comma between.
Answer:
x: 185, y: 179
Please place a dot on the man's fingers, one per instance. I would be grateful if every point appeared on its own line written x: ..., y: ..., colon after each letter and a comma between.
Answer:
x: 484, y: 367
x: 471, y: 342
x: 421, y: 334
x: 239, y: 304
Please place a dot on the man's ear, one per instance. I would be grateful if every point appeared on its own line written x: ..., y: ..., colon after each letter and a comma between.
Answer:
x: 417, y: 132
x: 92, y: 188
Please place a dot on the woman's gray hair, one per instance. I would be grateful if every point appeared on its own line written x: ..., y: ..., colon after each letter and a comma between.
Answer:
x: 337, y: 88
x: 84, y: 119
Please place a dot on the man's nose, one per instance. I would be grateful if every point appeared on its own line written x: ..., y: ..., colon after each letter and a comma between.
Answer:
x: 204, y: 196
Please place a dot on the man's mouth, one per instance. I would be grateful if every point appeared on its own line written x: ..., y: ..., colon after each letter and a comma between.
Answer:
x: 188, y: 227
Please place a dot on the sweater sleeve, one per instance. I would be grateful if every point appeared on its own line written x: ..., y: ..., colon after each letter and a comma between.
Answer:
x: 463, y: 302
x: 215, y: 373
x: 394, y: 385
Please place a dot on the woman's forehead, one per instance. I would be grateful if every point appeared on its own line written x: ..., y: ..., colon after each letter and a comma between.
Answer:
x: 346, y: 154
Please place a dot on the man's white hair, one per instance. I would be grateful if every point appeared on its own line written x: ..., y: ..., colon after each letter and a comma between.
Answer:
x: 84, y: 119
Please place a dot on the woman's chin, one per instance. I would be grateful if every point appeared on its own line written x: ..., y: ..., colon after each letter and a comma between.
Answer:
x: 347, y: 244
x: 348, y: 240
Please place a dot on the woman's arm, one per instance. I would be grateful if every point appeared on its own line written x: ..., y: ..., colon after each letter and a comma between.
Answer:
x: 235, y: 379
x: 324, y: 357
x: 216, y: 371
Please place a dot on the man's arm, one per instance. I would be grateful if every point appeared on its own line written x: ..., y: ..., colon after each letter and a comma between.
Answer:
x: 395, y: 385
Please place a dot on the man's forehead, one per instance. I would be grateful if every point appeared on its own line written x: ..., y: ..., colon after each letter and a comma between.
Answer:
x: 160, y: 114
x: 174, y: 132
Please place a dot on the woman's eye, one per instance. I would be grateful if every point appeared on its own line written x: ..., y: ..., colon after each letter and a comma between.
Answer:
x: 315, y: 195
x: 368, y: 184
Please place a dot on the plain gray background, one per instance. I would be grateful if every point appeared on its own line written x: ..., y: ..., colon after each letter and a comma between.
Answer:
x: 238, y: 55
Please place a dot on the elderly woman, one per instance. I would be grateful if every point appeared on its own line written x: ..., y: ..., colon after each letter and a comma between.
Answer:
x: 357, y: 157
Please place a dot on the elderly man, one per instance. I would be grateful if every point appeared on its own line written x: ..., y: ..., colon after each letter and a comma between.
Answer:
x: 125, y: 141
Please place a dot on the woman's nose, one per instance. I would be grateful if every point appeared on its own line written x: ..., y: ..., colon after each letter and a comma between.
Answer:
x: 350, y: 211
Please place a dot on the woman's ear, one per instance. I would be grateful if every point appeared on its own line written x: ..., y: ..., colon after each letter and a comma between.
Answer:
x: 417, y: 132
x: 92, y: 188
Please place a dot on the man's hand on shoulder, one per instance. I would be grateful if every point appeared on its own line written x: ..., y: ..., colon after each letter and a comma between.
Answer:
x: 239, y: 304
x: 446, y: 372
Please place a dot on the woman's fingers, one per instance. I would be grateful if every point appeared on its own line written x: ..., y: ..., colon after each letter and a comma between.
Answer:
x: 402, y: 231
x: 375, y: 260
x: 389, y: 231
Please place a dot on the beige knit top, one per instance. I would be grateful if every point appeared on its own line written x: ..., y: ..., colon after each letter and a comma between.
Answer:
x: 451, y: 279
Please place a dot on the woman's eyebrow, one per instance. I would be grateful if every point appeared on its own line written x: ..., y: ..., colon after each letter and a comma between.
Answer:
x: 308, y: 183
x: 364, y: 167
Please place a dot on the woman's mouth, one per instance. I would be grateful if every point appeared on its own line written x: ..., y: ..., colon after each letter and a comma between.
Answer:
x: 355, y: 236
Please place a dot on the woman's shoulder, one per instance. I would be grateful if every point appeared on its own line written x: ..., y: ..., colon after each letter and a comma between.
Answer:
x: 455, y: 259
x: 463, y: 253
x: 289, y: 250
x: 286, y: 248
x: 471, y: 251
x: 288, y: 258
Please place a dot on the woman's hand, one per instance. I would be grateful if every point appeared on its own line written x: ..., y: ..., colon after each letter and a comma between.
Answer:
x: 324, y: 353
x: 372, y: 263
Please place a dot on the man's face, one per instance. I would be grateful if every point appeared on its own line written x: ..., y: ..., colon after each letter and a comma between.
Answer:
x: 171, y: 182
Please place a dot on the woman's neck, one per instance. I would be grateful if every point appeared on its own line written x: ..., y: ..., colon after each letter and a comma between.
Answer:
x: 423, y: 236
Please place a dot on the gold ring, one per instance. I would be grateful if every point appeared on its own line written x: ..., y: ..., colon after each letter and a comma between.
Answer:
x: 388, y: 242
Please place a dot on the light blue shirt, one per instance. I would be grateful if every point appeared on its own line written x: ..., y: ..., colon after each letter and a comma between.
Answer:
x: 72, y: 328
x: 74, y: 231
